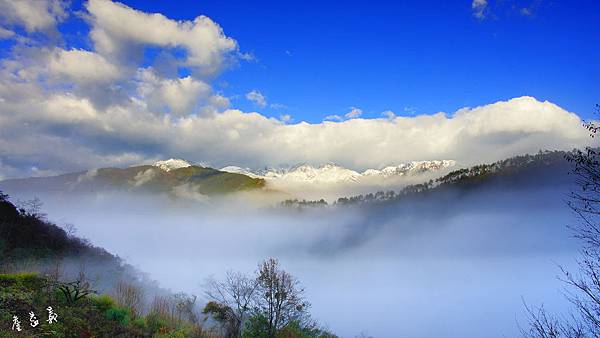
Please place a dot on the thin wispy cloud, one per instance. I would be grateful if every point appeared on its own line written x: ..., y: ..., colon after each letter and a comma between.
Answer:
x: 479, y: 8
x: 257, y: 98
x: 354, y: 113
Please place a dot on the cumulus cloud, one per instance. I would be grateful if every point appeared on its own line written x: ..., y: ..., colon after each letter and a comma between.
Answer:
x: 99, y: 138
x: 82, y: 66
x: 178, y: 96
x: 479, y: 8
x: 119, y: 32
x: 66, y: 109
x: 257, y: 97
x: 33, y: 15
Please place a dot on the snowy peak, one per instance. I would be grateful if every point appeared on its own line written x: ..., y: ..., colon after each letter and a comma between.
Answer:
x: 300, y: 173
x: 410, y: 168
x: 326, y: 174
x: 333, y: 173
x: 238, y: 170
x: 171, y: 164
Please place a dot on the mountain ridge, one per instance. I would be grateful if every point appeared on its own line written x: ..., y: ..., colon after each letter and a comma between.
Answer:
x: 162, y: 177
x: 334, y: 173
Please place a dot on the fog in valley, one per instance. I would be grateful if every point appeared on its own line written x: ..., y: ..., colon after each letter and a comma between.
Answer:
x: 453, y: 263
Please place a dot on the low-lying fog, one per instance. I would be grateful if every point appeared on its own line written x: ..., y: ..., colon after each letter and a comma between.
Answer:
x: 455, y: 265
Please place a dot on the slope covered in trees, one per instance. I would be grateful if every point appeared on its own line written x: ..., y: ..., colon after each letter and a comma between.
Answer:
x: 42, y: 265
x: 519, y: 172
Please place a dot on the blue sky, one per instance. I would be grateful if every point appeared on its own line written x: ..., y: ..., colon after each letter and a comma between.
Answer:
x: 104, y: 83
x: 320, y: 58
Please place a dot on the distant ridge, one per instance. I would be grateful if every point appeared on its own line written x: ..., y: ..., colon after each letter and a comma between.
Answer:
x: 169, y: 176
x: 333, y: 173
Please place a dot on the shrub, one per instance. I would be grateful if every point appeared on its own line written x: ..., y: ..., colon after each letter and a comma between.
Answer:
x: 103, y: 303
x: 118, y: 314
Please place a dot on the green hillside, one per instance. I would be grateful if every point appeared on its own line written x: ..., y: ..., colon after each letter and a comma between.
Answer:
x: 196, y: 179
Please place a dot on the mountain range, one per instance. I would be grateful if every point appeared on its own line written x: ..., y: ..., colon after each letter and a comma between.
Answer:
x: 333, y: 173
x: 175, y: 175
x: 182, y: 178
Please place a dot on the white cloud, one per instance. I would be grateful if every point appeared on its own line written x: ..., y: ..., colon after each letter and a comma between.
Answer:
x: 33, y: 15
x: 82, y: 66
x: 72, y: 109
x: 354, y: 113
x: 119, y: 31
x: 144, y: 177
x: 479, y: 8
x: 177, y: 96
x: 257, y: 97
x: 130, y: 134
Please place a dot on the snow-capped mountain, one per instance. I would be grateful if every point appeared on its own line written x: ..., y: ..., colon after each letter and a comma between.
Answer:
x: 171, y: 164
x: 410, y: 168
x: 329, y: 173
x: 332, y: 173
x: 238, y: 170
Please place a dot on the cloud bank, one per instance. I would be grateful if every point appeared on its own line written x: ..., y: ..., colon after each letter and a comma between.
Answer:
x: 65, y: 108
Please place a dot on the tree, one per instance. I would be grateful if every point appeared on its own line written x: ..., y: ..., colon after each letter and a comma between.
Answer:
x: 130, y: 296
x: 584, y: 286
x: 270, y: 305
x: 231, y: 300
x: 280, y: 297
x: 184, y: 305
x: 76, y: 290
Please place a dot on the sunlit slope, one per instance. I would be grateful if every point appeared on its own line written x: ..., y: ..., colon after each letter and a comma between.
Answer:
x: 196, y: 179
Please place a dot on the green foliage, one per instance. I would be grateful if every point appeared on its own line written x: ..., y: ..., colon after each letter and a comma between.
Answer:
x: 119, y: 314
x: 25, y: 280
x: 29, y: 236
x: 157, y: 323
x: 257, y: 326
x: 218, y: 311
x: 103, y: 302
x: 91, y: 316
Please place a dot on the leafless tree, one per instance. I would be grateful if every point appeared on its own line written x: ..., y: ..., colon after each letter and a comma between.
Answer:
x: 70, y: 229
x: 131, y: 296
x: 584, y: 286
x: 32, y: 207
x: 280, y: 297
x: 185, y: 307
x: 78, y: 289
x: 161, y: 306
x: 233, y: 298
